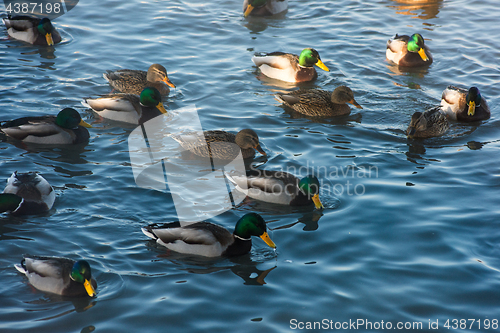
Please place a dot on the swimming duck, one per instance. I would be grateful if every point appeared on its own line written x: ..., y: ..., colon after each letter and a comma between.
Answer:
x: 428, y: 124
x: 278, y: 187
x: 264, y: 7
x: 128, y: 108
x: 32, y: 30
x: 60, y: 276
x: 462, y: 105
x: 408, y: 51
x: 221, y: 144
x: 27, y: 193
x: 290, y: 67
x: 132, y: 81
x: 211, y: 240
x: 65, y: 128
x: 320, y: 103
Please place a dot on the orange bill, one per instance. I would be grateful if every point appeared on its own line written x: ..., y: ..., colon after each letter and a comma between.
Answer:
x: 422, y: 54
x: 249, y: 10
x: 48, y: 37
x: 472, y: 108
x: 265, y: 237
x: 260, y: 150
x: 317, y: 202
x: 88, y: 287
x: 84, y: 124
x: 168, y: 82
x: 353, y: 102
x: 160, y: 107
x: 321, y: 65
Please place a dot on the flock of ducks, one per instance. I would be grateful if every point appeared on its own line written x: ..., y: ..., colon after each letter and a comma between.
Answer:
x: 139, y: 99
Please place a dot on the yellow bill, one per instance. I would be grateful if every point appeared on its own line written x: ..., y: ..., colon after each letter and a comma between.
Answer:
x: 265, y: 237
x: 321, y: 65
x: 260, y: 150
x: 249, y: 10
x: 422, y: 54
x: 168, y: 82
x: 84, y: 124
x: 161, y: 107
x: 48, y: 37
x: 88, y: 287
x: 472, y: 108
x: 353, y: 102
x: 317, y: 202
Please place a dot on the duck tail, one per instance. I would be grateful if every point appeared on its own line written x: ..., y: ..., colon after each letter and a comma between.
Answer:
x: 21, y: 267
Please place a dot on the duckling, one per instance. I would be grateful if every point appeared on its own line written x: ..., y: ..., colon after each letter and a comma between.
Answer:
x: 128, y: 108
x: 64, y: 129
x: 221, y: 144
x: 32, y: 30
x: 278, y: 187
x: 408, y: 51
x: 462, y: 105
x: 289, y: 67
x: 60, y: 276
x: 27, y: 193
x: 211, y: 240
x: 132, y: 81
x: 431, y: 123
x: 264, y: 7
x: 320, y: 103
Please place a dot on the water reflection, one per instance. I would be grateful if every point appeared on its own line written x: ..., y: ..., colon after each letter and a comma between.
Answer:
x: 428, y: 8
x: 258, y: 24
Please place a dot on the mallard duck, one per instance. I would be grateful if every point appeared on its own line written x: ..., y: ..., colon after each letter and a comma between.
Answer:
x: 462, y: 105
x: 320, y: 103
x: 132, y: 81
x: 408, y: 51
x: 264, y: 7
x: 221, y: 144
x: 128, y: 108
x: 428, y: 124
x: 290, y: 67
x: 27, y: 193
x: 60, y: 276
x: 211, y: 240
x: 65, y: 128
x: 32, y: 30
x: 278, y: 187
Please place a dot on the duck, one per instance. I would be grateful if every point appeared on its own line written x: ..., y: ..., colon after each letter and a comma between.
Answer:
x: 278, y: 187
x: 131, y: 81
x: 289, y: 67
x: 57, y: 275
x: 431, y: 123
x: 320, y: 103
x: 221, y: 144
x: 209, y: 239
x: 464, y: 105
x: 32, y: 30
x: 128, y: 108
x: 264, y: 7
x: 27, y: 193
x: 66, y: 128
x: 408, y: 51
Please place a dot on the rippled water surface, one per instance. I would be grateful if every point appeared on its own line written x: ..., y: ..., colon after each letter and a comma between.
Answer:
x: 410, y: 230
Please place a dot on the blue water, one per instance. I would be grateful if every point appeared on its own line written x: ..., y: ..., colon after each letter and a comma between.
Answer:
x: 410, y: 230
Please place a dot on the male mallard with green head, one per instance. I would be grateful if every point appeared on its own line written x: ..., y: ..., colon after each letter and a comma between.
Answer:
x: 408, y: 51
x: 289, y: 67
x: 60, y: 276
x: 27, y: 193
x: 462, y: 105
x: 428, y: 124
x: 264, y: 7
x: 128, y: 108
x: 32, y: 30
x: 320, y: 103
x: 132, y: 81
x: 211, y: 240
x: 64, y: 129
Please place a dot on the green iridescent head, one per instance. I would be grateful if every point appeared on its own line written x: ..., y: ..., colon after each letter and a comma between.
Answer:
x: 151, y: 97
x: 252, y: 224
x: 81, y: 273
x: 310, y: 186
x: 45, y: 28
x: 310, y: 57
x: 252, y: 4
x: 70, y: 118
x: 9, y: 202
x: 473, y: 100
x: 416, y: 45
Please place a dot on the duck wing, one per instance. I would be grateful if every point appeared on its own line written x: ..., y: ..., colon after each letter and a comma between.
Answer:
x: 200, y: 233
x: 31, y: 126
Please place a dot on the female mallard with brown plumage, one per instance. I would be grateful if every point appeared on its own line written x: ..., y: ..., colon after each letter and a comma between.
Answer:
x: 132, y: 81
x: 462, y: 105
x: 221, y: 144
x: 32, y: 30
x: 428, y: 124
x: 264, y: 7
x: 408, y: 51
x: 289, y: 67
x: 320, y: 103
